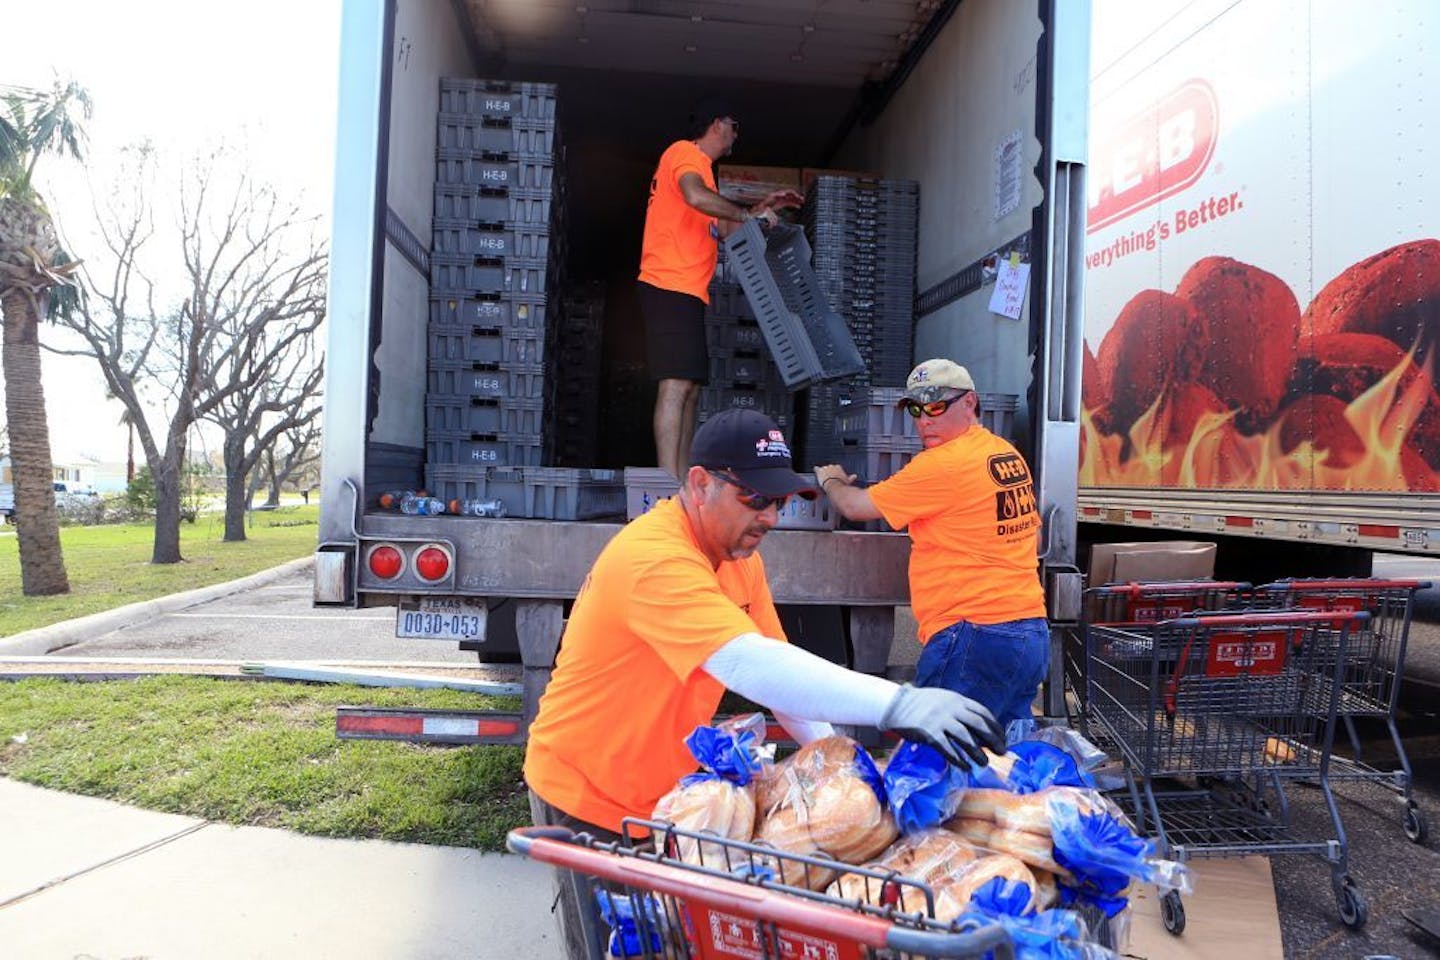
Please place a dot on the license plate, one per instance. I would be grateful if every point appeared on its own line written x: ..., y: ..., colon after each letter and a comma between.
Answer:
x: 441, y: 618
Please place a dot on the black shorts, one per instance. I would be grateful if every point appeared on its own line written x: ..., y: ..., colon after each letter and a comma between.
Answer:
x: 674, y: 334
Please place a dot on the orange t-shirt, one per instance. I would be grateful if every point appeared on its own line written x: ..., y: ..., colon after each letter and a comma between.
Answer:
x: 975, y: 530
x: 629, y: 682
x: 681, y: 243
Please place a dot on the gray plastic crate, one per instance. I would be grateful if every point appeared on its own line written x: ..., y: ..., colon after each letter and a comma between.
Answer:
x: 515, y: 450
x: 490, y: 416
x: 461, y: 237
x: 744, y: 369
x: 524, y: 135
x: 486, y: 345
x: 775, y: 404
x: 506, y: 274
x: 558, y: 493
x: 507, y: 311
x: 873, y: 413
x: 647, y: 486
x: 456, y: 166
x: 492, y: 204
x: 807, y: 338
x: 997, y: 413
x: 497, y: 98
x: 455, y: 481
x: 874, y: 465
x: 487, y: 380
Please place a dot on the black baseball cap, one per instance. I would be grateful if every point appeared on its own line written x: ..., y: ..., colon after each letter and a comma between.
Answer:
x: 750, y: 445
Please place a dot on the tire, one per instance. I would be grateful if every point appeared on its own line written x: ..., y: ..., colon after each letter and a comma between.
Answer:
x: 1351, y: 903
x: 1172, y: 913
x: 1415, y: 827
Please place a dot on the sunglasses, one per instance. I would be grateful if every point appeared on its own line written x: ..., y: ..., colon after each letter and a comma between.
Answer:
x: 734, y: 125
x: 932, y: 409
x: 755, y: 501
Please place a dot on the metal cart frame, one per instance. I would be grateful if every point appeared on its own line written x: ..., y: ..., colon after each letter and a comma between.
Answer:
x: 708, y: 912
x: 1234, y: 698
x: 1372, y: 673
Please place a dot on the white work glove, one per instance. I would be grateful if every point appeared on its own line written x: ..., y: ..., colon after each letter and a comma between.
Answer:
x: 946, y: 721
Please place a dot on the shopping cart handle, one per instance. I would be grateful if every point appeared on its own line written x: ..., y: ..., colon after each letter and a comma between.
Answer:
x: 1354, y: 583
x: 1139, y: 588
x: 1278, y: 617
x: 520, y: 839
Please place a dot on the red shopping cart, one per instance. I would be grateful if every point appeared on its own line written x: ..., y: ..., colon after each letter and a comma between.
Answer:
x: 1139, y: 606
x: 730, y: 904
x: 1371, y: 673
x: 1199, y: 705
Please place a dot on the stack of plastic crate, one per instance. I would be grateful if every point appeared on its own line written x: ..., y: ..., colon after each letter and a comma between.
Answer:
x: 492, y: 266
x: 742, y: 373
x: 862, y: 234
x: 574, y: 396
x: 496, y: 266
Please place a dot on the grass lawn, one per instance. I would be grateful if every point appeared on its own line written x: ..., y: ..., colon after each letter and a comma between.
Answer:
x: 109, y: 565
x: 261, y: 753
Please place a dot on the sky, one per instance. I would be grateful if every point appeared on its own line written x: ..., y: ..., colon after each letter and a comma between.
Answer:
x: 185, y: 75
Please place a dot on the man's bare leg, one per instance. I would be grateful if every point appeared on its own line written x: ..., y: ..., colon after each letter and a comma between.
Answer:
x: 675, y: 403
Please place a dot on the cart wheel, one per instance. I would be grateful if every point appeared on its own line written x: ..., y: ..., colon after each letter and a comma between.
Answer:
x: 1415, y: 827
x: 1172, y: 913
x: 1353, y: 912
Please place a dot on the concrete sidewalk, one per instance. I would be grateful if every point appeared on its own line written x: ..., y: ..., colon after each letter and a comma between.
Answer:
x: 81, y: 877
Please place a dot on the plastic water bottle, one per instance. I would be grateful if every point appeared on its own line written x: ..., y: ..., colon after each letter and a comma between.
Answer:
x: 391, y: 499
x: 422, y: 506
x: 478, y: 508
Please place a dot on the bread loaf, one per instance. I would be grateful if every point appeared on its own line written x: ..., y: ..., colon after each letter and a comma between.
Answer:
x: 956, y: 892
x: 975, y: 831
x: 980, y: 804
x: 708, y: 806
x: 929, y: 857
x: 1037, y: 850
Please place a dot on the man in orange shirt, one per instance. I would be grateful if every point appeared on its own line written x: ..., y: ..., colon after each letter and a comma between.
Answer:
x: 675, y: 610
x: 683, y: 224
x: 969, y: 503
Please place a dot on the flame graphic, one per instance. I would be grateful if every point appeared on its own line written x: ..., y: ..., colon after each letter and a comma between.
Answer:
x: 1162, y: 449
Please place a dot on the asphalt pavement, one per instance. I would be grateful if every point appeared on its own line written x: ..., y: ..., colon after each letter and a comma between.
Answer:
x: 81, y: 877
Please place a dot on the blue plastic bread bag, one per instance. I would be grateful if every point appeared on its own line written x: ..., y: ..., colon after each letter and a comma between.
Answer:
x: 732, y: 751
x: 1046, y: 935
x: 1103, y: 854
x: 924, y: 790
x: 1039, y: 765
x: 629, y: 918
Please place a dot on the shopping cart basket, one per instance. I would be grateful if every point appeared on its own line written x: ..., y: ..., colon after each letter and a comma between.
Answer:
x: 1232, y: 699
x: 727, y: 905
x: 1371, y: 674
x: 1138, y: 607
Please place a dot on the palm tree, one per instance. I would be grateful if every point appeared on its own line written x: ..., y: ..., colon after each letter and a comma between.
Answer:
x: 33, y: 123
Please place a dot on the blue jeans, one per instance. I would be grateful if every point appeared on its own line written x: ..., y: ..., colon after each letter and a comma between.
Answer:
x: 998, y: 664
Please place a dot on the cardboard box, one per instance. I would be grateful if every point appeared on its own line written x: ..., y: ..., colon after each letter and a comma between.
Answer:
x: 1158, y: 560
x: 748, y: 184
x: 808, y: 175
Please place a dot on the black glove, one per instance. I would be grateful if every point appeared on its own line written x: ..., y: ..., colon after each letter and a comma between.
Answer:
x: 945, y: 720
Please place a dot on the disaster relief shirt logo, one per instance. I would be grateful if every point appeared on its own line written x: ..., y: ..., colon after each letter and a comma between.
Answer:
x: 1015, y: 508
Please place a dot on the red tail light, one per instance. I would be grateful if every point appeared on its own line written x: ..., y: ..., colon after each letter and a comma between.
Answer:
x: 385, y: 562
x: 432, y: 563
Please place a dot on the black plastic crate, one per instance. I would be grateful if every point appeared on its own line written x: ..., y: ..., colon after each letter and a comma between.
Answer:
x: 874, y: 412
x: 748, y: 369
x: 490, y: 416
x: 729, y: 336
x: 485, y: 450
x: 516, y: 311
x: 497, y: 98
x: 778, y: 405
x: 524, y: 135
x: 558, y: 493
x: 807, y: 338
x: 486, y: 344
x: 487, y: 380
